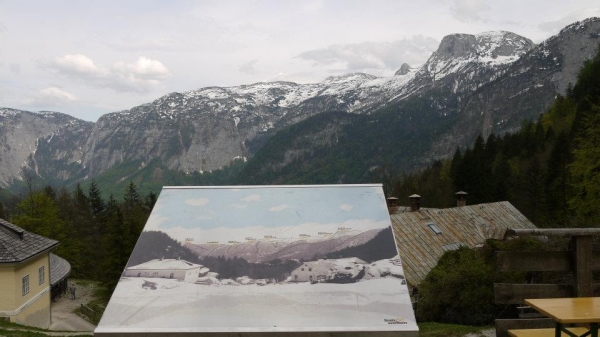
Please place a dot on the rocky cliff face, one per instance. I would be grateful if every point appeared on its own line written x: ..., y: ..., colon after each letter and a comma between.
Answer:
x: 22, y: 133
x: 206, y: 129
x: 524, y: 89
x: 487, y: 82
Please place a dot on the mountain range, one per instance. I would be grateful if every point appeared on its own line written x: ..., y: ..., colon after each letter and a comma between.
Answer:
x: 344, y: 129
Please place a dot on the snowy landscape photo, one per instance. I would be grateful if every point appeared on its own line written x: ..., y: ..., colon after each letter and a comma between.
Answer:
x: 264, y: 258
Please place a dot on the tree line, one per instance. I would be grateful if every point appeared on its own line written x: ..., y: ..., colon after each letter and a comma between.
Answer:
x: 96, y: 235
x: 550, y: 170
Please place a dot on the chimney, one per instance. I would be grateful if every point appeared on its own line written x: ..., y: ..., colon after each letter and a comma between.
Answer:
x: 415, y: 202
x: 392, y: 204
x: 461, y: 198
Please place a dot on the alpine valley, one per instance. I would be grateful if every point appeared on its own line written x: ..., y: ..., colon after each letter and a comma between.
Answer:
x: 345, y: 129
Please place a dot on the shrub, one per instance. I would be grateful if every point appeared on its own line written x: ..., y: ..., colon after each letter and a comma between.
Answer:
x: 460, y: 289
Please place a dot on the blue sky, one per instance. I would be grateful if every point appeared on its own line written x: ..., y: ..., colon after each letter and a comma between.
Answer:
x: 208, y: 208
x: 88, y: 58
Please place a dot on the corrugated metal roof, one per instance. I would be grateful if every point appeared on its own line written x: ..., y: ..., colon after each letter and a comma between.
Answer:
x: 420, y: 247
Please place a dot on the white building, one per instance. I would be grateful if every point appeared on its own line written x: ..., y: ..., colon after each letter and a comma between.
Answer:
x: 166, y: 268
x: 324, y: 270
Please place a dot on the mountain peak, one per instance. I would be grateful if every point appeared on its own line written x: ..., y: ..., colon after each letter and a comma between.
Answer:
x: 404, y: 69
x: 349, y: 77
x: 489, y: 49
x: 580, y: 24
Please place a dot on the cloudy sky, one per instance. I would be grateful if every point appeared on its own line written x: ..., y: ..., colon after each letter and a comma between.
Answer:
x: 90, y: 58
x: 209, y: 208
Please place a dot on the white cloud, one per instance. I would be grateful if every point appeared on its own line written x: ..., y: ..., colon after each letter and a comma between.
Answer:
x: 238, y: 206
x: 144, y: 68
x: 248, y: 67
x: 140, y: 76
x: 3, y: 28
x: 554, y: 27
x: 346, y: 207
x: 50, y: 97
x: 369, y: 56
x: 15, y: 68
x: 204, y: 217
x: 252, y: 197
x: 154, y: 221
x: 197, y: 202
x: 468, y: 10
x: 278, y: 208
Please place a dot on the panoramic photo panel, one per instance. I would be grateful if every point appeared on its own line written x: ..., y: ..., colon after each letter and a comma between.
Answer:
x: 264, y: 259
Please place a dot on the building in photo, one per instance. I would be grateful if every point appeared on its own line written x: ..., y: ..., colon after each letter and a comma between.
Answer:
x: 166, y: 268
x: 326, y: 270
x: 25, y: 276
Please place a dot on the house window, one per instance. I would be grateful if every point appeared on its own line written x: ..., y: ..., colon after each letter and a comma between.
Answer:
x: 309, y: 269
x: 302, y: 269
x: 295, y: 276
x: 434, y: 228
x: 42, y: 275
x: 25, y: 287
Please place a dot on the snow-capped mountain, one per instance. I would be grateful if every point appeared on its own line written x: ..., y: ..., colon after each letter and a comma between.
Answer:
x: 489, y: 82
x: 267, y: 249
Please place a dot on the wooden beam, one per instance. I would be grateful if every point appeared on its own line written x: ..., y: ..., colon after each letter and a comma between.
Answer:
x: 595, y: 260
x: 508, y: 293
x: 553, y: 232
x: 503, y: 325
x: 534, y: 261
x: 582, y: 265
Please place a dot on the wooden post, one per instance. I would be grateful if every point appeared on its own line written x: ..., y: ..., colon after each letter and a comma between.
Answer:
x: 582, y: 265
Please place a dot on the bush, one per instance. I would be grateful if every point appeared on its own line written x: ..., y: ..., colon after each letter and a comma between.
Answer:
x: 460, y: 289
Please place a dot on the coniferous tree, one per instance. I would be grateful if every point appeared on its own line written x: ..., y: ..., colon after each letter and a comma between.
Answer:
x: 3, y: 214
x: 586, y: 172
x: 116, y: 244
x: 556, y: 185
x: 95, y: 199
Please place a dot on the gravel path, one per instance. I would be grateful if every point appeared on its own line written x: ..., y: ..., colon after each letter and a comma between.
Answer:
x: 63, y: 317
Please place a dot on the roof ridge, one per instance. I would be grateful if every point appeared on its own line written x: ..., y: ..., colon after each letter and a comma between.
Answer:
x: 15, y: 232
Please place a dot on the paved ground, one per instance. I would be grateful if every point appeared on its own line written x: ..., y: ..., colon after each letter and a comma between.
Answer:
x: 63, y: 317
x: 483, y: 333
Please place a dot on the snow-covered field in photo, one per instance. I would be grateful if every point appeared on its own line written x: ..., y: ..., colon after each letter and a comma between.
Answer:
x: 182, y: 306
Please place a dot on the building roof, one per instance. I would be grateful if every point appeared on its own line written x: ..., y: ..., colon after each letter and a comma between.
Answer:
x: 166, y: 264
x: 18, y: 245
x: 423, y: 236
x: 59, y: 269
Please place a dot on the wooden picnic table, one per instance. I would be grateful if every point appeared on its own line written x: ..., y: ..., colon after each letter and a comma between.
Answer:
x: 578, y: 310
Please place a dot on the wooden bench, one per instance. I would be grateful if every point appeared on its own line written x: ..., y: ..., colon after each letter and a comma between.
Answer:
x: 543, y: 332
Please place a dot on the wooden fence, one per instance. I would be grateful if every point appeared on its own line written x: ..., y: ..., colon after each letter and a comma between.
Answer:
x: 580, y: 260
x: 92, y: 315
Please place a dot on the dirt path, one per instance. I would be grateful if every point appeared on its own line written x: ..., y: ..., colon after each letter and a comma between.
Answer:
x: 63, y: 317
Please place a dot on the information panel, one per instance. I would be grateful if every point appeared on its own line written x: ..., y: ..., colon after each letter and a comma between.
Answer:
x: 264, y: 259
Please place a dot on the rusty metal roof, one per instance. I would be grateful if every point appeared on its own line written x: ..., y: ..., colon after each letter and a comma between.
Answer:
x: 420, y: 247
